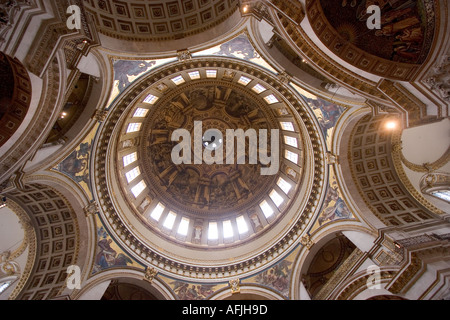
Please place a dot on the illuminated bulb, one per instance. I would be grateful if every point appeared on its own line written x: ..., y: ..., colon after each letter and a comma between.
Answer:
x: 391, y: 125
x: 245, y: 9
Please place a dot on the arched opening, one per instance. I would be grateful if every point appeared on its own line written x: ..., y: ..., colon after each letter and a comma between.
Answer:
x: 326, y: 264
x: 15, y: 96
x: 130, y: 289
x: 72, y: 109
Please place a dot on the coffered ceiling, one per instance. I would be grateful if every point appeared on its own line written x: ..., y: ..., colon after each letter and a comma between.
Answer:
x: 157, y: 20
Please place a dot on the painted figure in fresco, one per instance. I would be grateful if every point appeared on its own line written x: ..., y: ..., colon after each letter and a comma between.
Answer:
x: 407, y: 51
x: 125, y: 68
x: 78, y: 162
x: 393, y: 28
x: 238, y: 46
x: 411, y: 35
x: 198, y: 99
x: 335, y: 207
x: 107, y: 257
x: 185, y: 291
x: 277, y: 277
x: 400, y: 27
x: 237, y: 106
x: 330, y: 113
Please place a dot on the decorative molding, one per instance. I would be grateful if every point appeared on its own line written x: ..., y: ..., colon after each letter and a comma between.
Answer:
x: 30, y: 241
x: 397, y: 160
x: 400, y: 282
x: 292, y: 10
x: 438, y: 78
x: 9, y: 10
x: 91, y: 209
x: 235, y: 286
x: 150, y: 274
x: 425, y: 167
x: 378, y: 174
x: 340, y: 274
x: 306, y: 241
x: 415, y: 109
x: 101, y: 115
x: 360, y: 284
x: 184, y: 55
x: 157, y: 20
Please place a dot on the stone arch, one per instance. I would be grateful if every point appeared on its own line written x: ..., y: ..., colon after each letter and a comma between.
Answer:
x: 248, y: 292
x: 373, y: 165
x: 160, y: 32
x: 47, y: 95
x: 58, y: 238
x: 83, y: 211
x: 359, y: 285
x: 89, y: 99
x: 353, y: 240
x: 95, y: 287
x: 348, y: 185
x: 15, y: 96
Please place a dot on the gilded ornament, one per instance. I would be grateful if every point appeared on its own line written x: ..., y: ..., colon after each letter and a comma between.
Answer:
x: 150, y: 274
x: 235, y: 286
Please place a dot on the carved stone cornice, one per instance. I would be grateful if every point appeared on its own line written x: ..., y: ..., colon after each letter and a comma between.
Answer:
x: 91, y: 209
x: 437, y: 78
x: 306, y: 241
x: 9, y: 11
x: 293, y: 10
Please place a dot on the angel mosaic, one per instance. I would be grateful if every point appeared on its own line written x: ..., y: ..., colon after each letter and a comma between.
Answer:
x: 187, y: 291
x: 107, y: 256
x: 335, y: 207
x: 277, y: 277
x: 76, y: 165
x: 126, y: 68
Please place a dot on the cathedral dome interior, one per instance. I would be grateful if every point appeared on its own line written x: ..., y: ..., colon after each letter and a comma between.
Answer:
x: 224, y: 150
